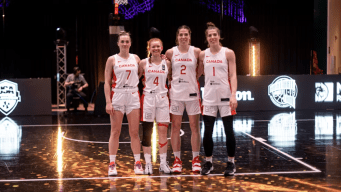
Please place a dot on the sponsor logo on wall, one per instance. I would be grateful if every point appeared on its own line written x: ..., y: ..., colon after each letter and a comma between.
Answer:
x: 244, y: 96
x: 324, y: 92
x: 338, y: 92
x: 283, y: 92
x: 9, y: 96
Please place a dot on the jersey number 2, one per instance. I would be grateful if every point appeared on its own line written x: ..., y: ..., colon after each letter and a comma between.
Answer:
x: 156, y: 81
x: 183, y: 68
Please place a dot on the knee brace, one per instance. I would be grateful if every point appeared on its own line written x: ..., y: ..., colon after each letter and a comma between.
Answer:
x: 161, y: 124
x: 147, y: 133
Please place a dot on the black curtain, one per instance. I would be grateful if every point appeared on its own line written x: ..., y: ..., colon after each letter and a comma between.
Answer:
x: 285, y: 31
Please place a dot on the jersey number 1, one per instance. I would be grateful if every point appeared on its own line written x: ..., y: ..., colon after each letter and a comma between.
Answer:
x: 156, y: 81
x: 213, y: 71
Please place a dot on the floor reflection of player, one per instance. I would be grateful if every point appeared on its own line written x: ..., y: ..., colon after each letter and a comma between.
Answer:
x: 219, y: 66
x: 112, y: 181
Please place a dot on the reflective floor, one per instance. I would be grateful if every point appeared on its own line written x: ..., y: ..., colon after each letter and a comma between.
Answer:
x: 276, y: 151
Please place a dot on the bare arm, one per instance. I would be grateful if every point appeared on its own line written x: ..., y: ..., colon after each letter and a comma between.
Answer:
x: 137, y: 58
x: 230, y: 56
x: 201, y: 64
x: 142, y: 66
x: 107, y: 83
x: 169, y: 54
x: 68, y: 82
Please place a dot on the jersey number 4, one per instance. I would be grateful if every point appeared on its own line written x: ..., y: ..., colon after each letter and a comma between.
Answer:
x: 156, y: 81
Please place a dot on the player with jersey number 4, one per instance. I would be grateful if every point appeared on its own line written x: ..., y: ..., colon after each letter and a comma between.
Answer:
x: 155, y: 103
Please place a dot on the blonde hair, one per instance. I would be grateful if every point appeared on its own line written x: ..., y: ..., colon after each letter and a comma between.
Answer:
x: 149, y: 42
x: 210, y: 26
x: 177, y: 33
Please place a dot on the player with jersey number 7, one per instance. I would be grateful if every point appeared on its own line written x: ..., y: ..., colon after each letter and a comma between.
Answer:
x: 122, y: 96
x: 184, y: 94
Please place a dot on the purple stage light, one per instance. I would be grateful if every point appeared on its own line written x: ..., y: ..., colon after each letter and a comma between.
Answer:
x: 232, y: 8
x: 1, y: 3
x: 135, y: 7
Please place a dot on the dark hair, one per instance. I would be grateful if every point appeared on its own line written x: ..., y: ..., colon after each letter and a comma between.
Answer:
x: 75, y: 69
x: 210, y: 26
x: 177, y: 33
x: 123, y: 33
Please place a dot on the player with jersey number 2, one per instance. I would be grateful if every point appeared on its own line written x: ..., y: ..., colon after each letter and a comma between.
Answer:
x: 219, y: 66
x: 155, y: 103
x: 122, y: 96
x: 184, y: 94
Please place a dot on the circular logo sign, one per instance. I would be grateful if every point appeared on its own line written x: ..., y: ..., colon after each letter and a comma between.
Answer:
x: 283, y: 92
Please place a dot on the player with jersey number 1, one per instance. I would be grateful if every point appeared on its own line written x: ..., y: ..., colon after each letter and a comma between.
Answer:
x: 184, y: 94
x: 219, y: 66
x: 155, y: 103
x: 121, y: 80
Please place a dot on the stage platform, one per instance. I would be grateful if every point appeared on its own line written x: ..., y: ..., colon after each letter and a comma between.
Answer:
x: 276, y: 151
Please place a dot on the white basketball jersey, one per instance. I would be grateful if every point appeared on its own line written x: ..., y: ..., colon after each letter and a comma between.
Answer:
x: 125, y: 73
x: 184, y: 85
x: 155, y: 77
x: 217, y: 87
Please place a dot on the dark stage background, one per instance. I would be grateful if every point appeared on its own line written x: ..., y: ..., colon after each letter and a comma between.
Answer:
x: 27, y: 48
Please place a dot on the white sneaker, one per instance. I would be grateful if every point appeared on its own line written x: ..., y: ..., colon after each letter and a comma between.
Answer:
x: 165, y: 168
x: 138, y: 168
x: 177, y: 165
x: 148, y: 169
x: 112, y: 169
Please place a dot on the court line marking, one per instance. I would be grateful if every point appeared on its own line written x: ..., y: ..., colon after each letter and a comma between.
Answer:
x: 291, y: 157
x: 157, y: 176
x: 86, y: 141
x: 104, y: 124
x: 75, y: 125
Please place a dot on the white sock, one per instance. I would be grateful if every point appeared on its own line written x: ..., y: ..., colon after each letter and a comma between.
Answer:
x: 230, y: 159
x: 112, y: 158
x: 210, y: 159
x: 177, y: 154
x: 137, y: 157
x: 148, y: 158
x: 195, y: 154
x: 163, y: 158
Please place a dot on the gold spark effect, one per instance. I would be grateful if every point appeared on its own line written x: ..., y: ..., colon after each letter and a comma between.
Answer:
x: 154, y: 143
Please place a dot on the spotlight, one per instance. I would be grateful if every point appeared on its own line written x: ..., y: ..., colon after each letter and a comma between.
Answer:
x: 254, y: 52
x: 61, y: 36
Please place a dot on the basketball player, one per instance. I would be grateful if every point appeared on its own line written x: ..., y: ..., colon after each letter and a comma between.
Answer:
x: 184, y: 93
x: 121, y: 76
x: 155, y: 103
x: 219, y: 66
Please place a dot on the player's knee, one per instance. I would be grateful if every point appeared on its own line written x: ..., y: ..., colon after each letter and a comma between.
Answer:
x: 115, y: 133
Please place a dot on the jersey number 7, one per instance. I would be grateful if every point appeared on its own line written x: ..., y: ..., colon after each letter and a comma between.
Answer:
x: 129, y: 71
